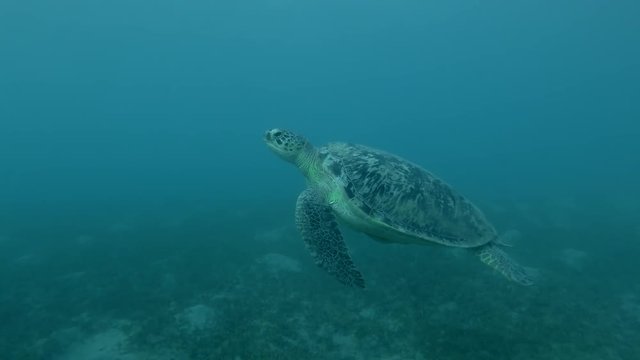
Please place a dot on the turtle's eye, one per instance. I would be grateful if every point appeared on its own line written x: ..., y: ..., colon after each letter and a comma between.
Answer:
x: 277, y: 137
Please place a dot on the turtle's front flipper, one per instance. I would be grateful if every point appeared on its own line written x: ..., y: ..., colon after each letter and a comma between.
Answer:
x: 493, y: 256
x: 317, y: 224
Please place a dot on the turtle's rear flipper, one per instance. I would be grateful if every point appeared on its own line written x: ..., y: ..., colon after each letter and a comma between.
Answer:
x: 493, y: 256
x: 317, y: 224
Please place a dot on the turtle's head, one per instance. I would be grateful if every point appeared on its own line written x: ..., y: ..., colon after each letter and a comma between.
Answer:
x: 286, y: 144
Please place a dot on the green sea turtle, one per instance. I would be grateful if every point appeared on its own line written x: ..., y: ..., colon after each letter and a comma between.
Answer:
x: 386, y: 197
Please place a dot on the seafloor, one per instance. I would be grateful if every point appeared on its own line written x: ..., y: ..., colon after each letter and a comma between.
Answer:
x: 183, y: 281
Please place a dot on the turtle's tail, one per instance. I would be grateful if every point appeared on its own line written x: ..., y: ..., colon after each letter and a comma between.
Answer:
x: 495, y: 257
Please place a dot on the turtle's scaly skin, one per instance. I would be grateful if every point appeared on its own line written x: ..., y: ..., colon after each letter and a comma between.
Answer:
x: 317, y: 224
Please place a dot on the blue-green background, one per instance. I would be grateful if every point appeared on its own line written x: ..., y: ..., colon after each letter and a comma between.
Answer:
x: 134, y: 183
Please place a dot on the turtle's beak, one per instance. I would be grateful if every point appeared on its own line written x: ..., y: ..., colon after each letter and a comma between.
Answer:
x: 269, y: 139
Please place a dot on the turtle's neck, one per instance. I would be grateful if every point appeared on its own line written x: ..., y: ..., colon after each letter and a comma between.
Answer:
x: 309, y: 163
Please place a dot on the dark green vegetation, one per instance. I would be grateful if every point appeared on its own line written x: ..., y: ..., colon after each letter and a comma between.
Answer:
x: 184, y: 281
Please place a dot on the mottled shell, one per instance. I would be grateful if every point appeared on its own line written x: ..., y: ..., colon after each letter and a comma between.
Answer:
x: 406, y: 197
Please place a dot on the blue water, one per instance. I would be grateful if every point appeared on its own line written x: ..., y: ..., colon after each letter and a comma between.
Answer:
x: 142, y: 216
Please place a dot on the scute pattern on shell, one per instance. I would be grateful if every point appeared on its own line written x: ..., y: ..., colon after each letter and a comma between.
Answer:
x: 405, y: 196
